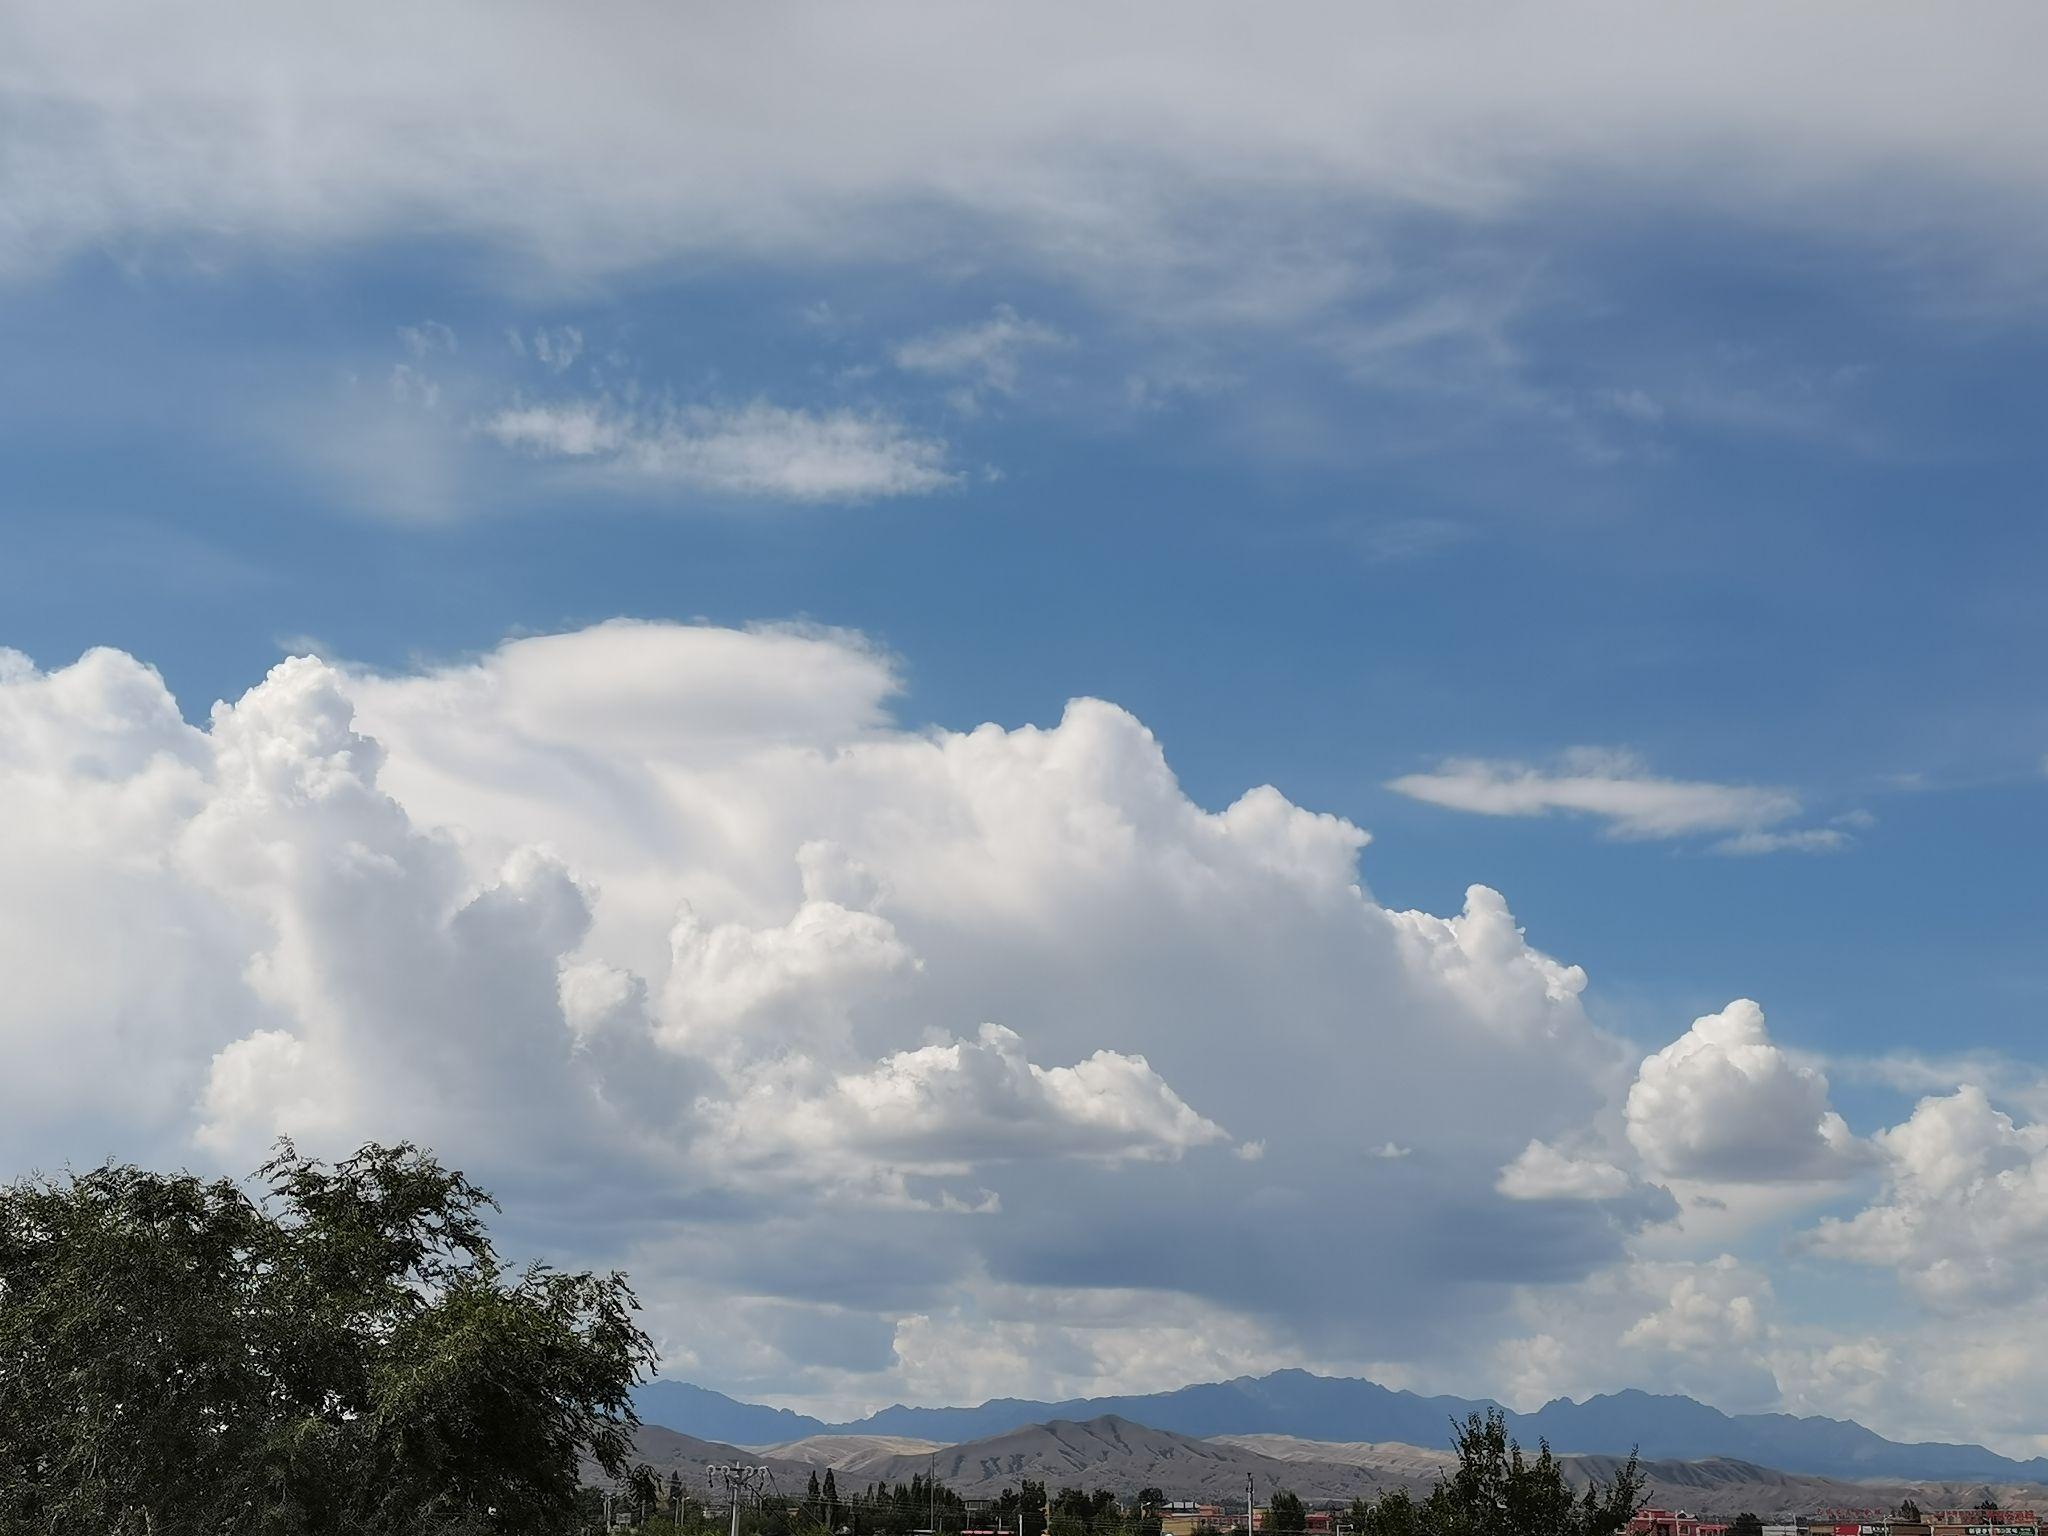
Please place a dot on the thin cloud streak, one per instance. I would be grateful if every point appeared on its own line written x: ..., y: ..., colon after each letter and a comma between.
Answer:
x: 1617, y: 788
x: 757, y: 451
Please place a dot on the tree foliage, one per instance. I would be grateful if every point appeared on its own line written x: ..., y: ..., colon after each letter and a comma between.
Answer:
x: 1394, y: 1513
x: 893, y: 1509
x: 1748, y: 1524
x: 899, y: 1509
x: 342, y: 1354
x: 1495, y: 1490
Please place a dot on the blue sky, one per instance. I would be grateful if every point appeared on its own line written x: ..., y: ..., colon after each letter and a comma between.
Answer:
x: 1580, y: 433
x: 1835, y: 596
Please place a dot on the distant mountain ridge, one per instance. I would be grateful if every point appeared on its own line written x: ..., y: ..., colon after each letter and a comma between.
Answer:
x: 1117, y: 1456
x: 1337, y: 1408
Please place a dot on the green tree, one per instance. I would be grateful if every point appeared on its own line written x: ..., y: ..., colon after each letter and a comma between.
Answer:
x: 1496, y: 1491
x: 342, y: 1353
x: 1747, y: 1524
x: 1908, y: 1513
x: 1070, y: 1514
x: 1074, y: 1510
x: 1286, y: 1512
x: 1027, y: 1507
x: 1394, y: 1513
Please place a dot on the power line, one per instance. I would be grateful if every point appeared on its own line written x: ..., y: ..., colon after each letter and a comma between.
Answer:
x: 739, y: 1479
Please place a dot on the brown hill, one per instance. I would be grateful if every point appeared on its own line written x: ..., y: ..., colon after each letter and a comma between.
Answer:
x: 1116, y: 1454
x: 855, y: 1454
x: 666, y: 1451
x: 1712, y: 1485
x: 1111, y: 1453
x: 1388, y: 1457
x: 1724, y: 1486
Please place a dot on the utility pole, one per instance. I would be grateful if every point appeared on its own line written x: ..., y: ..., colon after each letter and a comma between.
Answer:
x: 737, y: 1480
x: 1251, y: 1509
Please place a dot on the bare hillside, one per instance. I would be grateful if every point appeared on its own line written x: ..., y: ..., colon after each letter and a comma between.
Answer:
x: 858, y: 1454
x: 666, y: 1451
x: 1385, y: 1456
x: 1714, y: 1484
x: 1114, y: 1453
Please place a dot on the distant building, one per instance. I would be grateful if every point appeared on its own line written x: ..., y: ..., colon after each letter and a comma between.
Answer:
x: 1934, y: 1522
x: 1851, y: 1522
x: 1185, y: 1519
x: 1672, y: 1522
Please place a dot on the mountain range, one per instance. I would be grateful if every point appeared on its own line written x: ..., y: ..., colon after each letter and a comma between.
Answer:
x: 1306, y: 1406
x: 1116, y: 1455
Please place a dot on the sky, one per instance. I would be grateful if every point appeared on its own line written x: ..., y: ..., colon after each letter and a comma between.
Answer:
x: 1029, y: 701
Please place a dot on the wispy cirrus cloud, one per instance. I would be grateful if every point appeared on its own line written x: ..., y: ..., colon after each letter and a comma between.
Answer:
x: 549, y: 397
x: 1798, y: 840
x: 1617, y: 788
x: 987, y: 356
x: 759, y: 451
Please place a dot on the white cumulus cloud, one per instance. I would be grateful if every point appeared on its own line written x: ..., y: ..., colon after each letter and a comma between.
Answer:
x: 1706, y: 1326
x: 945, y: 1109
x: 1542, y: 1172
x: 1963, y: 1217
x: 674, y: 937
x: 1722, y: 1102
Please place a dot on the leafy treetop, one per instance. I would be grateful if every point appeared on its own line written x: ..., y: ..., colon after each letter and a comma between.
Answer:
x: 1495, y: 1490
x: 342, y: 1352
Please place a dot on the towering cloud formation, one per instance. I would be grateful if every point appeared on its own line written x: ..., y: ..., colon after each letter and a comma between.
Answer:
x: 679, y: 914
x: 947, y: 1046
